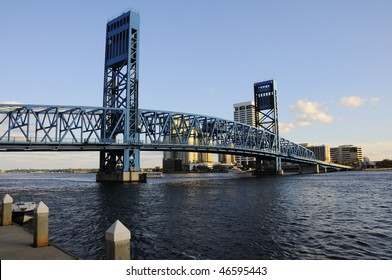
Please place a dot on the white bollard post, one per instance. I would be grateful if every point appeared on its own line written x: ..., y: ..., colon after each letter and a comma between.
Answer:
x: 6, y: 213
x: 118, y: 242
x: 41, y: 225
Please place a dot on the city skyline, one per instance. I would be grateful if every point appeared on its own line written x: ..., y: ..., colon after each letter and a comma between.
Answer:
x: 331, y: 62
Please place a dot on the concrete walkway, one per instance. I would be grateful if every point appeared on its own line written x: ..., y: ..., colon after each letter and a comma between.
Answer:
x: 17, y: 244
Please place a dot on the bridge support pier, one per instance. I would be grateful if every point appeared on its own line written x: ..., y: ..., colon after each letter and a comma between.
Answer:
x: 306, y: 168
x: 120, y: 166
x: 268, y: 167
x: 323, y: 170
x: 133, y: 176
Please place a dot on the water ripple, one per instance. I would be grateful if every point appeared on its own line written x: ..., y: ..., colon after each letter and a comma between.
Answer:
x: 220, y: 216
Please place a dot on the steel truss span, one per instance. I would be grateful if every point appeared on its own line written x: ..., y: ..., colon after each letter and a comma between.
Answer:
x: 162, y: 130
x: 55, y: 127
x: 66, y: 128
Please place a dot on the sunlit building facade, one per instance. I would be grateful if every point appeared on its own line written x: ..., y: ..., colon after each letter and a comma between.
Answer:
x: 321, y: 152
x: 244, y: 112
x: 347, y: 154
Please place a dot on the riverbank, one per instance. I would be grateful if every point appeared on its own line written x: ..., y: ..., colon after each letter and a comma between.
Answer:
x: 377, y: 169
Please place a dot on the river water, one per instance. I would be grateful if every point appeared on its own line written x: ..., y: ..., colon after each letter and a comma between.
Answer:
x: 345, y: 215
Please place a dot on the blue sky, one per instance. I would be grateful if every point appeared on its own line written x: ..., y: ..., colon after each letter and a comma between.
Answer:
x: 332, y: 61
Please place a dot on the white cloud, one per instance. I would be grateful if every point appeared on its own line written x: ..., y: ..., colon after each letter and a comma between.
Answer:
x: 306, y: 112
x: 356, y: 101
x: 374, y: 101
x: 286, y: 127
x: 10, y: 102
x: 352, y: 101
x: 302, y: 123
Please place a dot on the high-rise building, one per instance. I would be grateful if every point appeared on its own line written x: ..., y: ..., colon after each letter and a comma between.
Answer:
x: 226, y: 158
x: 346, y: 154
x: 322, y: 152
x: 244, y: 112
x: 180, y: 161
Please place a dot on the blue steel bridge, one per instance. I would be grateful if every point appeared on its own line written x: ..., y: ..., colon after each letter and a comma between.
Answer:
x: 119, y: 129
x: 68, y: 128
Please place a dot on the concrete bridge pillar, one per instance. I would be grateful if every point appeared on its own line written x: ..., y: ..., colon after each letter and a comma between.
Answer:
x: 307, y: 168
x: 324, y: 170
x: 6, y: 212
x: 115, y: 166
x: 130, y: 176
x: 268, y: 167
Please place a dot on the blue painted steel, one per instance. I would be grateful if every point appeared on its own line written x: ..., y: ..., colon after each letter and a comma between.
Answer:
x: 121, y: 90
x: 57, y: 126
x: 266, y: 105
x: 266, y: 115
x: 66, y: 128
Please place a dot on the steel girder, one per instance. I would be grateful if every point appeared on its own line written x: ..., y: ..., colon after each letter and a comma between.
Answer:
x: 57, y: 124
x: 290, y: 149
x: 172, y: 130
x: 266, y: 116
x: 158, y: 130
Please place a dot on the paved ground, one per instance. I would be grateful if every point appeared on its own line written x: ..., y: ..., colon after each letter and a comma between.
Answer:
x: 17, y: 244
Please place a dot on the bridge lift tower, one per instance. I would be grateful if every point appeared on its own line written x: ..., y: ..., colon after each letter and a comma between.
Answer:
x: 266, y: 110
x: 120, y: 90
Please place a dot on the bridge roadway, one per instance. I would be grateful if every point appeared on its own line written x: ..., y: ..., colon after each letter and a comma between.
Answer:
x: 70, y: 128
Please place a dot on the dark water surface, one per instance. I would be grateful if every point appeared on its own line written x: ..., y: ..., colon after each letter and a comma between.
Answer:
x: 344, y: 215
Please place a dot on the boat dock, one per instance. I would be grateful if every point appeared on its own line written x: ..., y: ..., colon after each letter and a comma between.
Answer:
x: 17, y: 244
x: 154, y: 174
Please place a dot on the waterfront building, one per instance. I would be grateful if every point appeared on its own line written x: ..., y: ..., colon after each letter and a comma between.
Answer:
x: 346, y: 154
x: 244, y: 112
x: 174, y: 161
x: 226, y: 159
x: 321, y: 152
x: 181, y: 161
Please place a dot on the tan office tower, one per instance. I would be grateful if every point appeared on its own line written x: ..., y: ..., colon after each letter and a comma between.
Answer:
x: 321, y: 152
x: 347, y: 154
x: 180, y: 161
x: 226, y: 159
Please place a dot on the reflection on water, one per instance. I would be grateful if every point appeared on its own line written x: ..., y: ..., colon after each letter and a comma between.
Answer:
x: 220, y: 216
